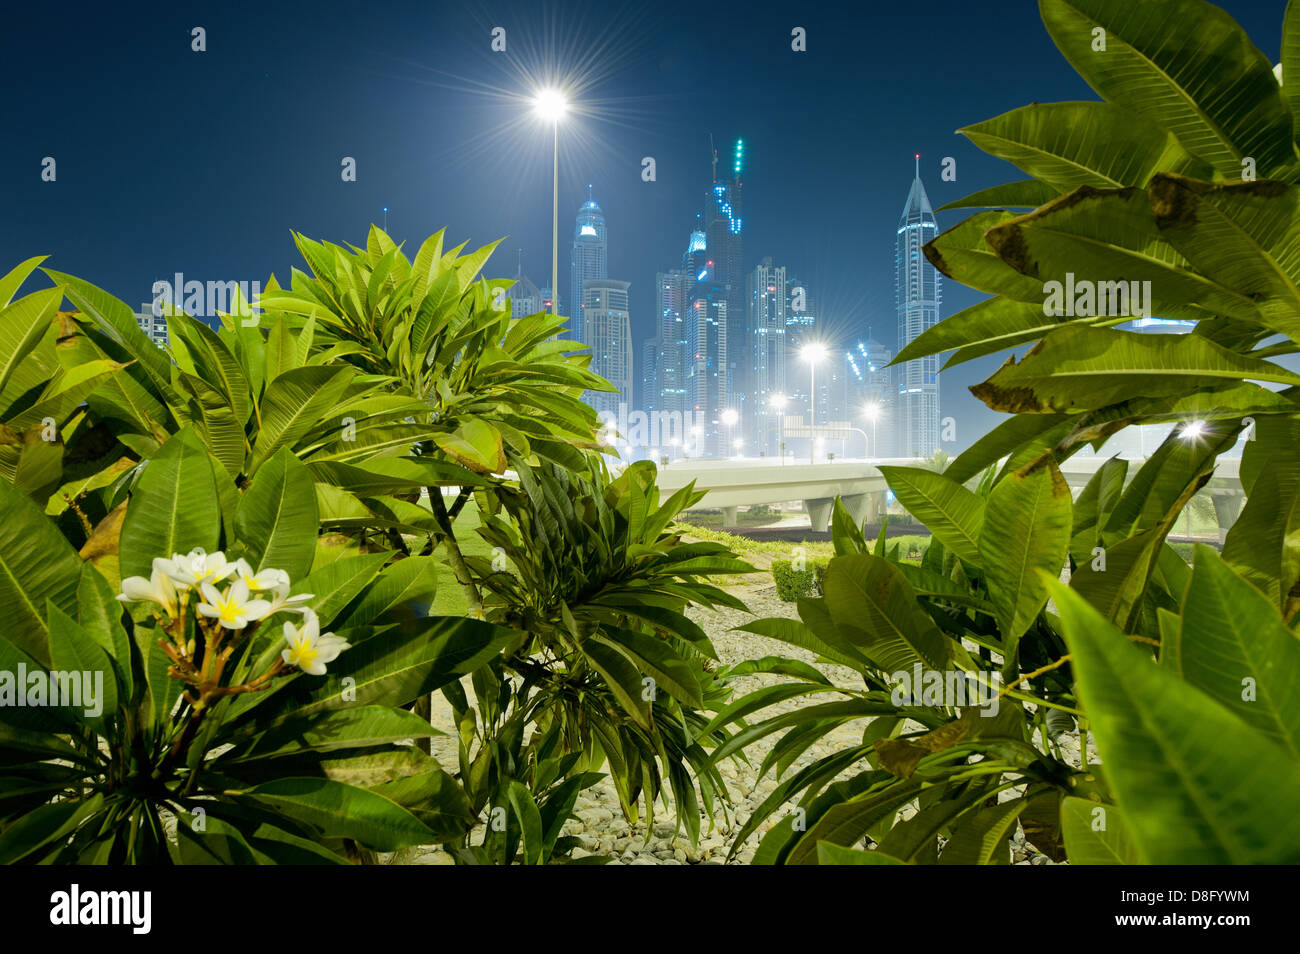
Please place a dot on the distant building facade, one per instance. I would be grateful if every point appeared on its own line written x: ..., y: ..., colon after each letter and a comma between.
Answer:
x: 918, y: 296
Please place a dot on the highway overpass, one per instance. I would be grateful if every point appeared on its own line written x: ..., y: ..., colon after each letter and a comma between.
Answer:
x: 741, y: 482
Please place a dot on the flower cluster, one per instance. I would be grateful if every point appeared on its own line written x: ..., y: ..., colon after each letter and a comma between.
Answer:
x: 232, y: 597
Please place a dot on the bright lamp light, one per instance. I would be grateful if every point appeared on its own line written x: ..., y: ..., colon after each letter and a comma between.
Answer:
x: 813, y: 352
x: 550, y: 104
x: 729, y: 417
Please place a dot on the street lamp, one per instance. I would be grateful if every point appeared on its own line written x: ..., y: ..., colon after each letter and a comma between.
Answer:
x: 729, y: 417
x: 872, y: 413
x: 550, y: 104
x: 778, y: 401
x: 812, y: 353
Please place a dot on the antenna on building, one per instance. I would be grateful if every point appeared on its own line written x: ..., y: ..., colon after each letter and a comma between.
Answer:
x: 713, y: 149
x: 519, y: 261
x: 589, y: 196
x: 918, y: 165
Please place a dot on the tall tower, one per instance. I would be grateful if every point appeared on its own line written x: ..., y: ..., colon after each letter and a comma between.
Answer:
x: 609, y: 335
x: 590, y: 259
x: 917, y: 291
x: 768, y: 305
x: 723, y: 227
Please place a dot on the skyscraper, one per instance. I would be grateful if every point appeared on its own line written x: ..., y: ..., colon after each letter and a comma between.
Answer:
x: 525, y: 297
x: 766, y: 346
x: 590, y: 259
x: 706, y: 386
x: 870, y: 386
x: 917, y: 292
x: 723, y: 229
x: 609, y: 335
x: 153, y: 323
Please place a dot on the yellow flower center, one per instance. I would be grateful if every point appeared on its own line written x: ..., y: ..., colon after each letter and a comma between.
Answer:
x: 303, y: 654
x: 229, y: 610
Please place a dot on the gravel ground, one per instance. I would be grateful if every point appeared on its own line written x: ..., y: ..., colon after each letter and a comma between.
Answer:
x: 598, y: 820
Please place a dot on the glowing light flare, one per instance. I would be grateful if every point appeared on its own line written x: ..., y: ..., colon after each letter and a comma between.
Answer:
x: 550, y: 104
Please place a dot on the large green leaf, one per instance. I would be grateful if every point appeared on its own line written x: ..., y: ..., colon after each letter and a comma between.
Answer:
x: 1185, y: 65
x: 1107, y: 257
x: 1026, y: 533
x: 173, y: 507
x: 1264, y: 542
x: 1078, y: 369
x: 875, y: 607
x: 294, y: 403
x: 277, y: 521
x: 22, y: 325
x: 1242, y: 235
x: 1197, y: 785
x: 1235, y: 647
x: 949, y: 511
x: 335, y: 810
x: 36, y: 565
x: 1066, y: 145
x: 1096, y: 834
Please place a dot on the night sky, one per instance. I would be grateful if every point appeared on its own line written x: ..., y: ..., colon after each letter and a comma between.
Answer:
x: 170, y: 160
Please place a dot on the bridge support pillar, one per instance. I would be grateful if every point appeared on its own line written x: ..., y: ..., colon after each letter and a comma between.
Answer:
x: 1227, y: 507
x: 819, y: 512
x: 729, y: 516
x: 861, y: 506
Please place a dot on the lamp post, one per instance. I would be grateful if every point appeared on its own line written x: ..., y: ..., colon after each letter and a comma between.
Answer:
x: 778, y: 401
x: 550, y: 104
x: 812, y: 353
x: 872, y: 413
x: 730, y: 417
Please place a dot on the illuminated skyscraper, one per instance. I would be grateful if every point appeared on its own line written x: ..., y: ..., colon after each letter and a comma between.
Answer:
x: 609, y: 335
x: 766, y: 346
x: 706, y: 366
x: 916, y: 430
x: 723, y: 229
x: 590, y: 259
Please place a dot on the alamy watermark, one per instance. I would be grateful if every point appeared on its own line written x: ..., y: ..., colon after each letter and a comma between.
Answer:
x: 207, y: 299
x: 1089, y: 299
x: 654, y: 430
x: 54, y: 689
x: 948, y: 689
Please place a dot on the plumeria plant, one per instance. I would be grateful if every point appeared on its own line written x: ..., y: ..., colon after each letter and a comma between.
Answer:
x: 236, y: 698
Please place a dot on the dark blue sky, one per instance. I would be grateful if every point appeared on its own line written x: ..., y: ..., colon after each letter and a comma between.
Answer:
x: 171, y: 160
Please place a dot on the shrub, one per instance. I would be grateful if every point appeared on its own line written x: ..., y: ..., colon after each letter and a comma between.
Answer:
x: 791, y: 583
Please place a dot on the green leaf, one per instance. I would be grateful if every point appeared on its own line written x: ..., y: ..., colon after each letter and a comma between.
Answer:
x: 1264, y: 542
x: 335, y: 810
x: 36, y: 565
x: 294, y: 403
x: 1026, y: 531
x: 829, y: 853
x: 1025, y: 194
x: 81, y: 667
x: 875, y: 607
x: 983, y: 837
x: 24, y: 323
x: 1096, y: 834
x: 1236, y: 648
x: 277, y: 519
x: 1197, y: 785
x: 1243, y: 235
x: 949, y: 511
x: 173, y: 507
x: 354, y: 727
x: 1079, y: 369
x: 1066, y: 145
x: 1201, y: 79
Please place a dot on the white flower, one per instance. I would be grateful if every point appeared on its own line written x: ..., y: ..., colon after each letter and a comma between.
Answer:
x: 268, y: 579
x: 232, y: 609
x: 308, y: 649
x: 198, y: 567
x: 281, y: 600
x: 157, y: 588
